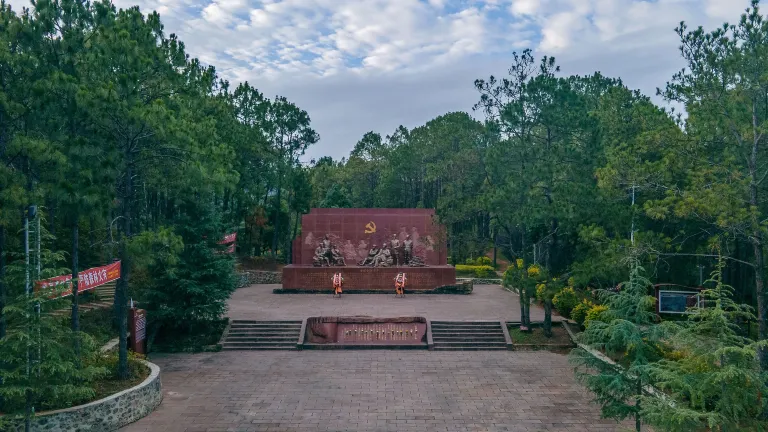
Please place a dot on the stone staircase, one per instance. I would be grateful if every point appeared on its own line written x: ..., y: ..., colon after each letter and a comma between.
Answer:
x: 262, y: 335
x: 103, y: 297
x: 468, y: 336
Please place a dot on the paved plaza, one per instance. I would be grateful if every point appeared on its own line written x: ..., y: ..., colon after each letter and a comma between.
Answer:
x: 372, y: 390
x: 487, y: 302
x: 369, y: 390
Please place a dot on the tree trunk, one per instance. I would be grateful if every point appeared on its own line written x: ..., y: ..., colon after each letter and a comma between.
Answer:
x: 762, y: 305
x: 757, y: 244
x: 75, y: 290
x: 495, y: 237
x: 547, y: 317
x: 527, y: 311
x: 522, y: 305
x: 52, y: 217
x: 276, y: 233
x: 639, y: 394
x: 121, y: 291
x: 2, y: 281
x: 295, y: 233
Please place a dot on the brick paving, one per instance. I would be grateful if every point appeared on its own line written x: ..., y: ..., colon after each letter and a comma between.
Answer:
x: 380, y: 390
x: 371, y: 391
x: 487, y: 302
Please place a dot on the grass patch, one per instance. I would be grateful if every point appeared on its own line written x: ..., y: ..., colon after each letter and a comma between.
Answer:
x: 537, y: 337
x: 203, y: 339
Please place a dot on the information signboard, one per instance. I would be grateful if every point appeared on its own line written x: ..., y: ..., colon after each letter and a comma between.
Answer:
x: 677, y: 302
x: 138, y: 325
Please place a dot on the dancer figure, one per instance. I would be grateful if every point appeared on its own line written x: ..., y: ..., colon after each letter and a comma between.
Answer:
x: 337, y: 282
x: 400, y: 285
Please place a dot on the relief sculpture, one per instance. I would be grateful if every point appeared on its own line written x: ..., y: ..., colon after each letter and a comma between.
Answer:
x: 393, y: 253
x: 327, y: 254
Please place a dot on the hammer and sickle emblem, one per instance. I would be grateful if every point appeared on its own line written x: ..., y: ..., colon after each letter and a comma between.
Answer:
x: 370, y: 228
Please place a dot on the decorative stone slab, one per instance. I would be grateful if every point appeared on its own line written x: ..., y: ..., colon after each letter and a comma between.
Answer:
x: 108, y: 414
x: 365, y: 332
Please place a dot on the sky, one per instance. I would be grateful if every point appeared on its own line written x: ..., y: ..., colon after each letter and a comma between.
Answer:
x: 371, y: 65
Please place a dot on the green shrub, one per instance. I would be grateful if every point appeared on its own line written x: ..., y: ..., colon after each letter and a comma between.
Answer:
x: 479, y: 271
x: 595, y: 313
x: 483, y: 260
x: 479, y: 261
x: 579, y: 312
x: 565, y: 301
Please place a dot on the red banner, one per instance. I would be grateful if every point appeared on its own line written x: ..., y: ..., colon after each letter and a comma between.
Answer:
x: 87, y: 279
x: 229, y: 238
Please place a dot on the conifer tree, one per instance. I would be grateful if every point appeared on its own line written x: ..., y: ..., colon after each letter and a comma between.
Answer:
x: 628, y: 334
x: 189, y: 277
x: 40, y: 364
x: 714, y: 380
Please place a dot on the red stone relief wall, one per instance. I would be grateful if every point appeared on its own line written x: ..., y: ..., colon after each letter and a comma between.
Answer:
x: 354, y: 231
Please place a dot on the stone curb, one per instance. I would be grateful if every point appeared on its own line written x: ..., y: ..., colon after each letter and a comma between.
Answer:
x: 224, y: 334
x: 458, y: 289
x: 108, y: 414
x: 507, y: 336
x: 430, y: 342
x: 480, y: 281
x: 302, y: 334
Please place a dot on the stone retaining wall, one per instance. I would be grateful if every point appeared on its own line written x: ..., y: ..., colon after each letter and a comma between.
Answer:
x: 105, y: 415
x: 481, y: 281
x: 251, y: 277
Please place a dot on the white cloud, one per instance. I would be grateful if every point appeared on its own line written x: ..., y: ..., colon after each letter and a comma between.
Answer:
x: 359, y: 65
x: 524, y: 7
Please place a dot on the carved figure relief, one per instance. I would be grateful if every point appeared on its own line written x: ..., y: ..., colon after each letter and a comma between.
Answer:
x: 327, y: 254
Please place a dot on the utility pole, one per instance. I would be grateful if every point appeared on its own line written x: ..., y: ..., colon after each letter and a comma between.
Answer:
x: 30, y: 212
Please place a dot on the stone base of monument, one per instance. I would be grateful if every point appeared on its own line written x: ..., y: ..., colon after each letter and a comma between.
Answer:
x: 368, y: 280
x: 365, y: 332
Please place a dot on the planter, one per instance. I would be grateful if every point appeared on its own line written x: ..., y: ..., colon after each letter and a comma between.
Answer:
x: 108, y: 414
x: 544, y: 346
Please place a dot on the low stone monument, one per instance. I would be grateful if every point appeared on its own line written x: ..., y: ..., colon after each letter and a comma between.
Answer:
x: 369, y: 247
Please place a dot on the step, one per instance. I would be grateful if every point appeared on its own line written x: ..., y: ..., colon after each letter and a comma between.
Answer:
x: 471, y: 344
x: 459, y: 328
x: 257, y: 348
x: 494, y: 348
x: 483, y: 325
x: 257, y: 332
x: 494, y: 338
x: 231, y: 338
x: 264, y: 322
x: 467, y: 332
x: 259, y: 343
x: 257, y: 328
x: 465, y: 323
x: 266, y: 327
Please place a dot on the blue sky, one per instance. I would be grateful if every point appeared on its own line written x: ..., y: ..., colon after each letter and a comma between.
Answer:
x: 360, y: 65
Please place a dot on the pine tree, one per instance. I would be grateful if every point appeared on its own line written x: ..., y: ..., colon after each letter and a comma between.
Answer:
x: 189, y: 277
x: 627, y: 333
x: 715, y: 381
x: 40, y: 364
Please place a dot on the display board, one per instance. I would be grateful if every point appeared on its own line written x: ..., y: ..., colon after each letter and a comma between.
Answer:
x: 677, y: 302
